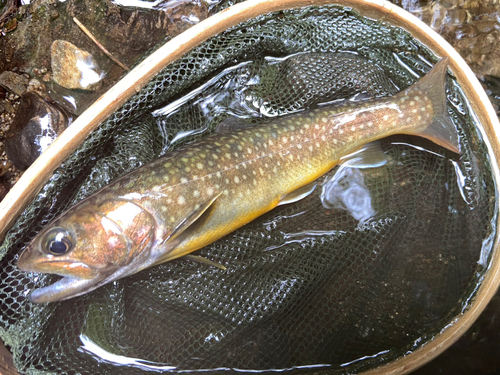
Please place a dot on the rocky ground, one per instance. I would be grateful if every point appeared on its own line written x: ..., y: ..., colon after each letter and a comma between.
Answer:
x: 43, y: 51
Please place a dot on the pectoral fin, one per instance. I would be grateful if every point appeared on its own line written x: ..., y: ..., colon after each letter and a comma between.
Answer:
x: 298, y: 194
x: 184, y: 229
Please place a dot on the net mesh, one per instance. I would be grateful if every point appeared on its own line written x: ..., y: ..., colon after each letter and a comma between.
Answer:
x: 369, y: 267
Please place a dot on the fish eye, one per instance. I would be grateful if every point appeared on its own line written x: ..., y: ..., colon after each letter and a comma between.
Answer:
x: 58, y: 241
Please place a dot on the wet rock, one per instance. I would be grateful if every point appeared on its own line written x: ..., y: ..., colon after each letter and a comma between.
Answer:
x: 36, y: 125
x: 184, y: 14
x: 14, y: 82
x: 471, y: 26
x: 74, y: 68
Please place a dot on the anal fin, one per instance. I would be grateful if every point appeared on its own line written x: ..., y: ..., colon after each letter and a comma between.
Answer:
x: 208, y: 262
x: 369, y: 156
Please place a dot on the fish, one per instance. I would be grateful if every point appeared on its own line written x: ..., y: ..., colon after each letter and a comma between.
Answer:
x: 194, y: 196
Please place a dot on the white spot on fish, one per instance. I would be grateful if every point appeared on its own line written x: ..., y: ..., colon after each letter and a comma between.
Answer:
x: 184, y: 180
x: 196, y: 193
x: 199, y: 166
x: 236, y: 179
x: 181, y: 200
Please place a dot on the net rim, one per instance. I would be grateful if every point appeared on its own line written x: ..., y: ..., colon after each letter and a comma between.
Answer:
x: 33, y: 179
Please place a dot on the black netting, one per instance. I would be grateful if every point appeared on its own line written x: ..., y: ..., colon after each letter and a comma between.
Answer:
x: 324, y: 281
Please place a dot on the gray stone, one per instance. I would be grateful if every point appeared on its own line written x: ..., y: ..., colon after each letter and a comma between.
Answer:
x: 14, y: 82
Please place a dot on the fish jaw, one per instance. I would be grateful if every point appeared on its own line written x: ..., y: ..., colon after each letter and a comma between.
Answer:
x: 29, y: 261
x: 70, y: 286
x: 67, y: 287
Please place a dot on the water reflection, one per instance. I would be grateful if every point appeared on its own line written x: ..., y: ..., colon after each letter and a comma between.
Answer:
x: 346, y: 190
x: 102, y: 355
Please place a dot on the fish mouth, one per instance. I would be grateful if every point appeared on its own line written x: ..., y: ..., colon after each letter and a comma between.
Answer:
x: 67, y: 287
x: 61, y: 267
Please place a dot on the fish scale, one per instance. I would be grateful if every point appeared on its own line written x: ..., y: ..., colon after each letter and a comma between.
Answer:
x: 196, y: 195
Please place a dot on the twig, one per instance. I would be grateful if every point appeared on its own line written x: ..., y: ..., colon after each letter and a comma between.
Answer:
x: 86, y: 31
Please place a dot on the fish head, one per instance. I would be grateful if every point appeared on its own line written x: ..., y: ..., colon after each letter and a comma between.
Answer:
x: 90, y: 245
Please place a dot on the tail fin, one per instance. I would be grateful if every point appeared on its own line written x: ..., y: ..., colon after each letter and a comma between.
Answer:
x: 441, y: 131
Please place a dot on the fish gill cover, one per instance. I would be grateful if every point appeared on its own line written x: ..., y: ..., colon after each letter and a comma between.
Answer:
x: 367, y: 268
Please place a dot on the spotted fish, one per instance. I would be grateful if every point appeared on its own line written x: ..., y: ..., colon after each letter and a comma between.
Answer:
x: 194, y: 196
